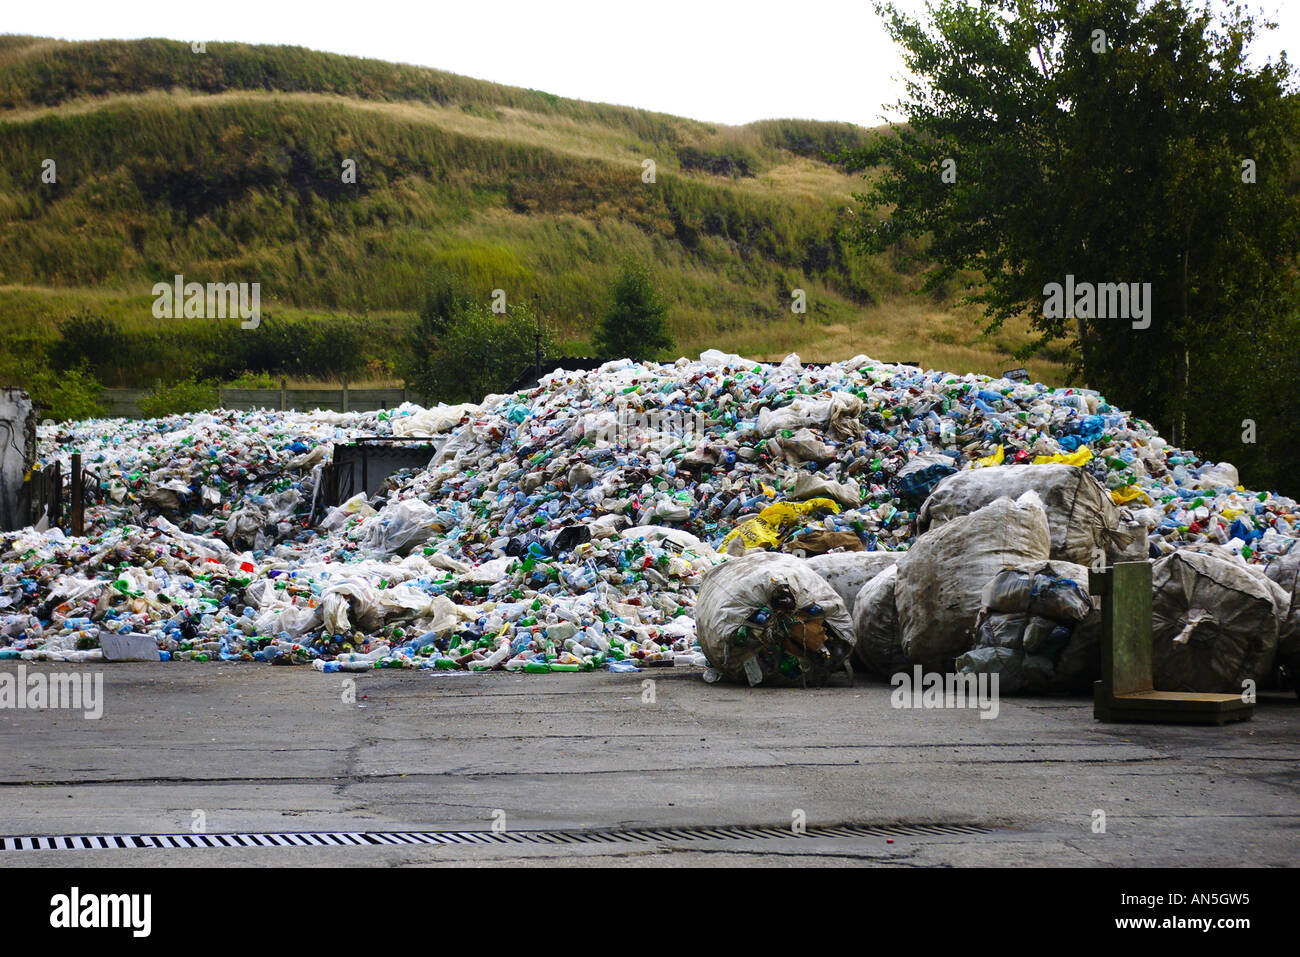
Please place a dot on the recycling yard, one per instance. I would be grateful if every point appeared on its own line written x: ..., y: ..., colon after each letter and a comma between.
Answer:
x: 677, y: 595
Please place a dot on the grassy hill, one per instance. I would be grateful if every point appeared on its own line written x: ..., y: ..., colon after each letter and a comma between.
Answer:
x: 226, y: 166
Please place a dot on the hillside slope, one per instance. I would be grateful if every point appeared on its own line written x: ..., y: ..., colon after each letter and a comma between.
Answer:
x: 228, y: 166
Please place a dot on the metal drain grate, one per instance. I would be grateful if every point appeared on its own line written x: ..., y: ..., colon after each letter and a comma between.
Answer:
x: 108, y: 842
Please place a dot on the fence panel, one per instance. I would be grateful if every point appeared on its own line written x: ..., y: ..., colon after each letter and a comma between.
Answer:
x: 125, y: 403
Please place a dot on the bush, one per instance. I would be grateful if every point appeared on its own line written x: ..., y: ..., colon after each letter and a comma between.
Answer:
x: 307, y: 348
x: 252, y: 380
x: 733, y: 162
x: 72, y: 394
x: 445, y: 302
x: 91, y: 342
x: 482, y: 352
x: 188, y: 395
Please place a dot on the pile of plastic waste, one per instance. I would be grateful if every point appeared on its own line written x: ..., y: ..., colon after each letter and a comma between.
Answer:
x: 564, y: 528
x: 203, y: 469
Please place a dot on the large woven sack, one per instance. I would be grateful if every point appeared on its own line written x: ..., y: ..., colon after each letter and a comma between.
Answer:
x: 942, y: 575
x: 879, y: 649
x: 1011, y: 595
x: 768, y: 618
x: 1080, y: 514
x: 1214, y: 623
x: 1285, y: 571
x: 847, y: 572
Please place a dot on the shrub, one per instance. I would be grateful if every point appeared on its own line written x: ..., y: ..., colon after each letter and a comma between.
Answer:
x: 251, y: 380
x: 71, y: 394
x: 309, y: 348
x: 92, y: 342
x: 187, y: 395
x: 482, y: 352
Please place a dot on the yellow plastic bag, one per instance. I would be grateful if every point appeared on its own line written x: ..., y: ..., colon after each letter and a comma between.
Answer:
x: 994, y: 459
x: 1079, y: 458
x: 1122, y: 496
x: 775, y: 523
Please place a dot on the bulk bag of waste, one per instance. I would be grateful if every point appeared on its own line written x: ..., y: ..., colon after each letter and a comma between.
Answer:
x: 941, y: 577
x: 1080, y: 513
x: 1018, y: 673
x: 848, y: 572
x: 919, y: 477
x: 1287, y: 652
x: 768, y: 618
x: 1285, y: 571
x: 879, y: 647
x: 1128, y: 543
x: 1039, y: 629
x: 1214, y: 623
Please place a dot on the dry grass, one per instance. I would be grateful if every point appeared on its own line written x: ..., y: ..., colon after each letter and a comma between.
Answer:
x: 905, y: 329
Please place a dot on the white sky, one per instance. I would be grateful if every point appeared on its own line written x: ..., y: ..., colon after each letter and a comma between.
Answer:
x: 726, y: 62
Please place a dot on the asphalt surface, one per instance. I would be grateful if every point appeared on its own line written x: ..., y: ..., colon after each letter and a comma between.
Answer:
x: 252, y: 748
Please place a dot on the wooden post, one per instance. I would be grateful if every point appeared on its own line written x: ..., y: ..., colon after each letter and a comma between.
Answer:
x: 1125, y: 593
x: 221, y: 397
x: 345, y: 393
x: 284, y: 394
x: 77, y: 515
x: 1126, y: 690
x: 55, y: 510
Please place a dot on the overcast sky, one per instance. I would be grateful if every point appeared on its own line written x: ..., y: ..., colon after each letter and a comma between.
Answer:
x: 726, y: 62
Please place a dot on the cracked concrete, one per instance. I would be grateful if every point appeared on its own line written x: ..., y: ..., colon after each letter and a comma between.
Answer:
x: 279, y: 749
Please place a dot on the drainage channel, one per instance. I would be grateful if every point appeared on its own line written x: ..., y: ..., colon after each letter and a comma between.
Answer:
x: 276, y: 839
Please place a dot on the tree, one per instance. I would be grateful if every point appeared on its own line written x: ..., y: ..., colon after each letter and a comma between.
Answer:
x: 444, y: 303
x: 468, y: 351
x: 635, y: 324
x: 1106, y: 140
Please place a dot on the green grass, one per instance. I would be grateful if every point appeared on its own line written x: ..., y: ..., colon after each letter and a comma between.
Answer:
x: 225, y: 166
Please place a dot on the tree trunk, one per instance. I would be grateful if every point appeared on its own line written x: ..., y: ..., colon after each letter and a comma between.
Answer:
x: 1185, y: 360
x: 1081, y: 333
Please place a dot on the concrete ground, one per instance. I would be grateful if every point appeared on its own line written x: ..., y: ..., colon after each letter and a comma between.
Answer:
x: 259, y: 748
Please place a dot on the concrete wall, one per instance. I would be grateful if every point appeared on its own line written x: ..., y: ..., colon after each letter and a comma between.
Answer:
x: 17, y: 453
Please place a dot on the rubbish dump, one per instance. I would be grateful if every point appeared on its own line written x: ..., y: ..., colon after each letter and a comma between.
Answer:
x: 769, y: 618
x: 1214, y: 623
x: 1038, y: 629
x: 570, y: 526
x: 243, y: 477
